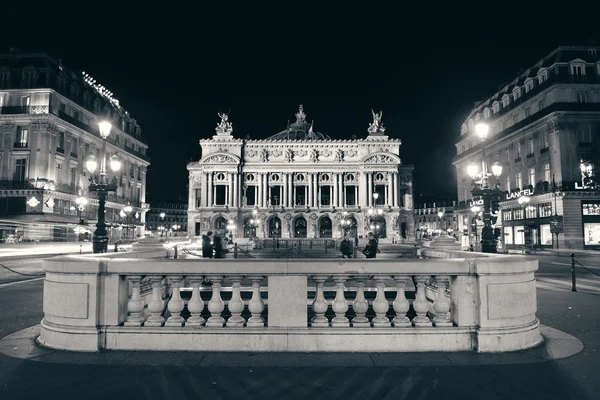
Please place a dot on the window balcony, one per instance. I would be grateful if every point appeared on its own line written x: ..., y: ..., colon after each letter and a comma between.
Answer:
x: 60, y: 150
x: 24, y: 110
x: 74, y: 155
x: 544, y: 150
x: 530, y: 155
x: 21, y: 145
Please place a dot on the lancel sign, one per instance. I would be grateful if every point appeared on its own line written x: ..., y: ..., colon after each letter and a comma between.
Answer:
x: 516, y: 195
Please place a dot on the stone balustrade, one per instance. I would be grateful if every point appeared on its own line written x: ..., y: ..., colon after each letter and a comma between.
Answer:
x: 96, y: 303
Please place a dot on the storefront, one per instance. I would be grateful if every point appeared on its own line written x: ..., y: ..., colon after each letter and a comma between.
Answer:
x: 590, y: 218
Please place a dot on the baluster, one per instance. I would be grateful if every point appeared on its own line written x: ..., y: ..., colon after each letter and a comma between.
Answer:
x: 135, y: 305
x: 175, y: 305
x: 421, y: 305
x: 256, y: 305
x: 401, y: 305
x: 319, y: 305
x: 236, y: 305
x: 216, y: 305
x: 156, y: 305
x: 381, y: 305
x: 195, y: 305
x: 441, y: 305
x: 360, y: 305
x: 340, y: 305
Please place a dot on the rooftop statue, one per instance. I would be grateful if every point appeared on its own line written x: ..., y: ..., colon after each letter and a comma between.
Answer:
x: 376, y: 126
x: 224, y: 127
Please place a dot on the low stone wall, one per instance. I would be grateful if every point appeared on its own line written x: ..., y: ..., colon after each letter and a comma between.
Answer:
x: 96, y: 303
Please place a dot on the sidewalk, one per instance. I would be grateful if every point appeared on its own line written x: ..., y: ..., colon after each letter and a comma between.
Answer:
x: 49, y: 248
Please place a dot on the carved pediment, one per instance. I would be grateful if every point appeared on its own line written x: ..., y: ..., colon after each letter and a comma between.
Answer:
x: 382, y: 159
x: 220, y: 159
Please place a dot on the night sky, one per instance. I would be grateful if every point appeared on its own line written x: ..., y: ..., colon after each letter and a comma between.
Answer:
x: 175, y: 70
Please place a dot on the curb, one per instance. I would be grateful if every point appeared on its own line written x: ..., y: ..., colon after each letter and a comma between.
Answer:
x: 23, y: 345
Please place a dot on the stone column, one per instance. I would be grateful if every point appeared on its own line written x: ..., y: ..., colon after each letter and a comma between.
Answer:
x: 309, y: 196
x: 396, y: 189
x: 390, y: 190
x: 290, y: 191
x: 259, y: 190
x: 204, y: 190
x: 284, y: 191
x: 210, y: 190
x: 316, y: 190
x: 369, y: 189
x: 191, y: 192
x: 362, y: 190
x: 334, y: 194
x: 236, y: 199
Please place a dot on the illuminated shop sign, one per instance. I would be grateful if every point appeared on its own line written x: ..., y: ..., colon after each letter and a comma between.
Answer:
x: 477, y: 202
x: 591, y: 209
x: 516, y: 195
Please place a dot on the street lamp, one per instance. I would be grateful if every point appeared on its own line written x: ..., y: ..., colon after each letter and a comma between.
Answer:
x: 481, y: 188
x: 102, y: 187
x: 524, y: 201
x: 162, y: 220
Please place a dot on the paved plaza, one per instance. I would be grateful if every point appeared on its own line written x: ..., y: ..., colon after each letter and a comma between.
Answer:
x: 565, y: 367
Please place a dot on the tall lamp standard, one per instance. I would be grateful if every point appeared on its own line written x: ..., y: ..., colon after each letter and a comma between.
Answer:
x: 162, y: 221
x: 375, y: 214
x: 524, y: 201
x: 102, y: 187
x: 440, y: 215
x: 482, y: 189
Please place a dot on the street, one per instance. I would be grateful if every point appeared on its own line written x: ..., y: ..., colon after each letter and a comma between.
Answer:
x: 381, y: 376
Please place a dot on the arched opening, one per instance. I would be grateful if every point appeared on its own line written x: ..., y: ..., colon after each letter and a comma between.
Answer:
x: 220, y: 226
x: 249, y: 227
x: 325, y: 228
x: 350, y: 226
x: 300, y: 230
x: 274, y: 227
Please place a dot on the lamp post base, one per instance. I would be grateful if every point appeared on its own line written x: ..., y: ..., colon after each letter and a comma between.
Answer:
x: 100, y: 244
x: 488, y: 240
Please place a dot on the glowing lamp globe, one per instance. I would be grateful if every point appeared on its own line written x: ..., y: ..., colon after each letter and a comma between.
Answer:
x: 497, y: 169
x: 104, y: 128
x: 482, y: 130
x: 472, y: 170
x: 115, y: 163
x: 91, y: 164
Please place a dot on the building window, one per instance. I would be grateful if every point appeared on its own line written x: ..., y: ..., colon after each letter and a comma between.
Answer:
x: 61, y: 141
x: 73, y: 177
x: 504, y: 125
x: 4, y: 79
x: 487, y: 112
x: 20, y: 169
x: 25, y: 101
x: 541, y: 104
x: 58, y: 172
x: 132, y: 171
x: 275, y: 198
x: 516, y: 93
x: 577, y: 69
x: 518, y: 214
x: 22, y: 137
x: 350, y: 195
x: 528, y: 112
x: 462, y: 149
x: 251, y: 196
x: 507, y: 215
x: 515, y: 119
x: 531, y: 212
x: 325, y: 195
x: 496, y: 107
x: 528, y: 85
x: 545, y: 210
x: 531, y: 146
x: 508, y: 183
x: 582, y: 97
x: 542, y: 76
x: 520, y: 180
x: 532, y: 176
x: 585, y: 134
x: 300, y: 195
x: 220, y: 198
x: 544, y: 141
x: 505, y: 100
x: 547, y: 172
x: 518, y: 154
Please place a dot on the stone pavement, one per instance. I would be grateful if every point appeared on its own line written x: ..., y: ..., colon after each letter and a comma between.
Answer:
x: 28, y: 371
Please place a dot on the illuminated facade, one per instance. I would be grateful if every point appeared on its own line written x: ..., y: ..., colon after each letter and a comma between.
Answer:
x: 300, y: 183
x: 544, y: 126
x: 49, y: 124
x: 167, y: 218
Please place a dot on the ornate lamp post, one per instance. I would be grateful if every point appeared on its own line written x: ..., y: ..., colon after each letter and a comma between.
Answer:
x: 162, y: 219
x: 102, y: 187
x: 440, y: 215
x: 481, y: 188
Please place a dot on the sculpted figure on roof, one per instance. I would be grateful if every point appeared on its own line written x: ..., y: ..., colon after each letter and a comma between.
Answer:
x: 376, y: 126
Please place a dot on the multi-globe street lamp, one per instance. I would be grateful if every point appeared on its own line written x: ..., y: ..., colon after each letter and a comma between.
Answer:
x: 162, y: 220
x: 102, y: 187
x: 524, y: 201
x: 481, y: 188
x: 375, y: 216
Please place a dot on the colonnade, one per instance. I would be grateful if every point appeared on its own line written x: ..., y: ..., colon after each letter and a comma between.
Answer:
x: 313, y: 182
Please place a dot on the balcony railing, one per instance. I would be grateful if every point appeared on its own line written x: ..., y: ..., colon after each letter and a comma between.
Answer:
x: 21, y: 145
x: 60, y: 150
x: 465, y: 303
x: 530, y: 155
x: 25, y: 110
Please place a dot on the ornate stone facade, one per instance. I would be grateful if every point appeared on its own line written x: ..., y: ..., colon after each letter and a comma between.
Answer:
x: 300, y: 183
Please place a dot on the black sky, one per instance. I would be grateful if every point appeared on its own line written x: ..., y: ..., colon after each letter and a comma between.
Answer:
x: 173, y: 69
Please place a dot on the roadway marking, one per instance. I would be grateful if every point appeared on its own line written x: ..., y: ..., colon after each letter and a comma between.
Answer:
x: 568, y: 265
x: 25, y: 280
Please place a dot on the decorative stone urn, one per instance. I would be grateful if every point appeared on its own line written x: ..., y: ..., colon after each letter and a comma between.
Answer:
x: 445, y: 242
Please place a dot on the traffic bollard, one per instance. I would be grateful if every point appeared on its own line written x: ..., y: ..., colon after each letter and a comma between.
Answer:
x: 175, y: 253
x: 235, y: 250
x: 573, y: 279
x: 116, y: 249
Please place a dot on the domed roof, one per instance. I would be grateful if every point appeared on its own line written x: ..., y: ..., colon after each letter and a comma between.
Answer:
x: 300, y: 130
